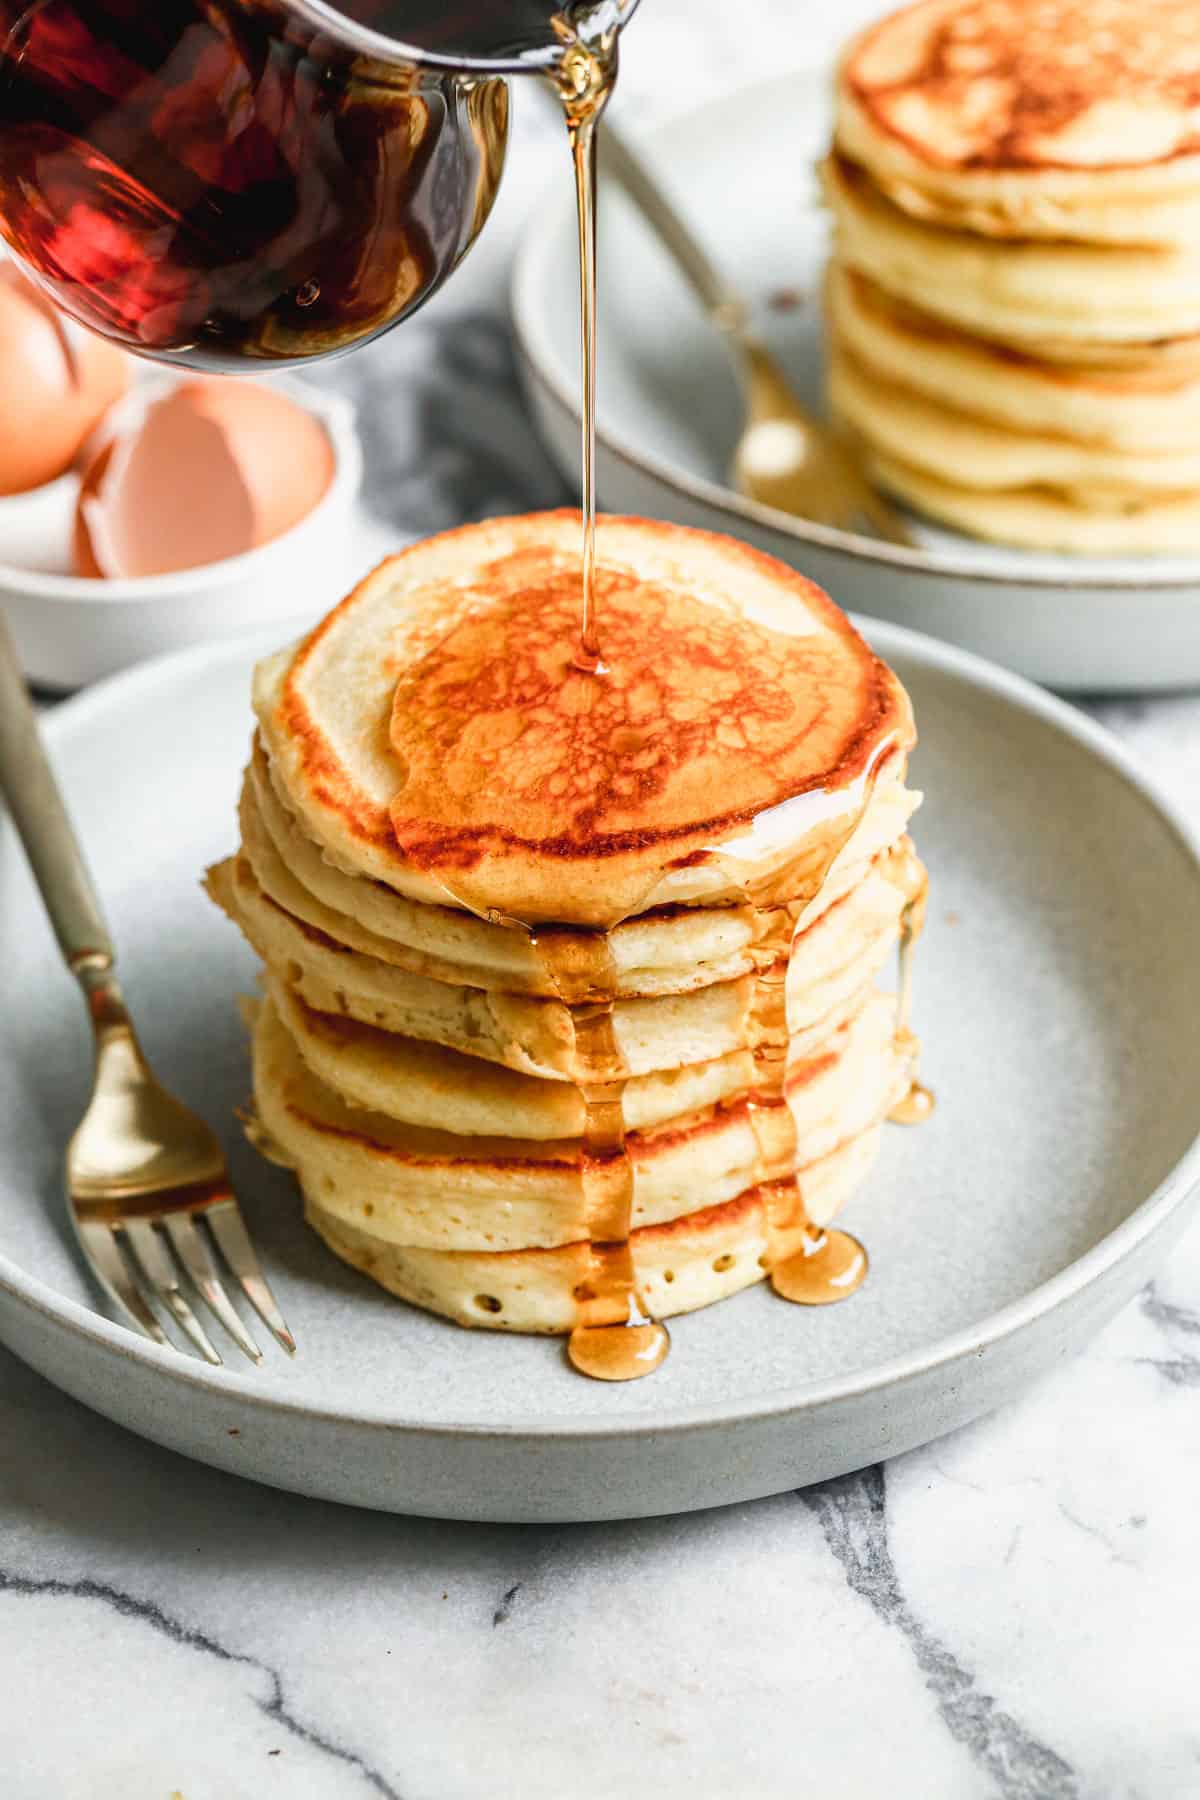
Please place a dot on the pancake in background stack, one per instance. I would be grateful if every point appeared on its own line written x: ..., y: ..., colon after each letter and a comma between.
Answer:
x: 440, y: 821
x: 1014, y: 301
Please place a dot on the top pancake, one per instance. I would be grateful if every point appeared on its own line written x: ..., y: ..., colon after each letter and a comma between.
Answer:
x: 1032, y: 118
x: 431, y: 732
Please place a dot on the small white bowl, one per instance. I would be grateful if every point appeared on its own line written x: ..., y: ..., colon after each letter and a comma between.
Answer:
x: 70, y: 630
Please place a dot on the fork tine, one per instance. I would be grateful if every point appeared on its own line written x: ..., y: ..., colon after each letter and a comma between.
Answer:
x: 108, y: 1265
x: 156, y: 1265
x: 192, y: 1252
x: 225, y: 1223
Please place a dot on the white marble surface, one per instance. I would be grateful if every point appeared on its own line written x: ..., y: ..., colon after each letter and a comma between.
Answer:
x: 1012, y: 1612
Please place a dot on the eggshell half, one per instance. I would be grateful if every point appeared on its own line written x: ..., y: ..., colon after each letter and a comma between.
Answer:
x: 215, y: 468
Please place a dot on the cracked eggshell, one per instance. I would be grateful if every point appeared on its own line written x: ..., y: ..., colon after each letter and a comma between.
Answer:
x: 206, y: 471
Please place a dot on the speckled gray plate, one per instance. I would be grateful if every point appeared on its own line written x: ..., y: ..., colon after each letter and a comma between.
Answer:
x: 1059, y: 998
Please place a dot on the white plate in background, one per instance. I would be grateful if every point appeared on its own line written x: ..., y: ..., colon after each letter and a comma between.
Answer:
x: 742, y: 166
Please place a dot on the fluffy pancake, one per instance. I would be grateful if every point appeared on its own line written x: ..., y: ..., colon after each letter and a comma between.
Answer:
x: 1023, y: 294
x: 948, y: 442
x: 835, y: 955
x: 680, y: 1266
x: 1015, y: 296
x: 430, y: 733
x: 1039, y: 519
x: 1052, y: 119
x: 429, y: 1085
x: 669, y: 951
x: 432, y: 1189
x: 444, y: 1089
x: 1147, y: 410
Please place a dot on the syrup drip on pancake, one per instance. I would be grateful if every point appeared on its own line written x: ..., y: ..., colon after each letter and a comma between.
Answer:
x: 508, y: 750
x: 615, y: 1339
x: 808, y: 1264
x: 914, y: 1107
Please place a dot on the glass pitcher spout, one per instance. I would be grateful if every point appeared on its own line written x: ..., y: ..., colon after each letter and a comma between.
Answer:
x: 468, y: 36
x: 232, y: 183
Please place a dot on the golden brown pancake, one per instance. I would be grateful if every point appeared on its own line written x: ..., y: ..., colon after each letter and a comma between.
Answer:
x: 431, y: 733
x: 418, y: 1185
x: 481, y: 1097
x: 1024, y: 294
x: 671, y: 950
x: 1032, y: 118
x: 1152, y: 409
x: 681, y: 1265
x: 840, y: 951
x: 955, y: 444
x: 1042, y: 518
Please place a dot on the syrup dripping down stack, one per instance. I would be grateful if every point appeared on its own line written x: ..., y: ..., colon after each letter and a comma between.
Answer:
x: 570, y: 1017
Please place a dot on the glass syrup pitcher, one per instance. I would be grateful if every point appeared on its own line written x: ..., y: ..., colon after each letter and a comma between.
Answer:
x: 232, y: 183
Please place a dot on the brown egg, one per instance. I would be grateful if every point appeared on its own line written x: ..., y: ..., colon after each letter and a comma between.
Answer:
x: 56, y: 383
x: 213, y: 468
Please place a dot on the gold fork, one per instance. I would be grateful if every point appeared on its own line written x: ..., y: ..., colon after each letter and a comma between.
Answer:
x: 148, y: 1191
x: 784, y: 457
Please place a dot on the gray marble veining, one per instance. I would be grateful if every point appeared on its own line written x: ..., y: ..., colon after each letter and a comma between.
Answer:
x: 1010, y: 1613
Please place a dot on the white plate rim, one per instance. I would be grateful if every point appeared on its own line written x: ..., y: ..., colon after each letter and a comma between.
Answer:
x: 1146, y: 1219
x: 1095, y: 574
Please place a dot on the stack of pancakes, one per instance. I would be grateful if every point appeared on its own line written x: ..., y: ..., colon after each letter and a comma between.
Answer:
x: 1015, y: 292
x: 457, y: 850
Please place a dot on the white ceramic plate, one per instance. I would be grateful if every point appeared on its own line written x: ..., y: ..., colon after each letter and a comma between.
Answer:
x: 1059, y: 999
x: 668, y: 407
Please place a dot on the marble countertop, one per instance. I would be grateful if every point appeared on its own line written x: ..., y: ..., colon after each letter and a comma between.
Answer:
x: 1009, y: 1613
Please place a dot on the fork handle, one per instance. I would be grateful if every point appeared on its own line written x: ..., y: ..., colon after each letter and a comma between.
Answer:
x: 36, y: 804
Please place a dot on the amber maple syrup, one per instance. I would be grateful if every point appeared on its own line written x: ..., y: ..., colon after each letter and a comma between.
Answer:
x: 807, y: 1263
x: 614, y: 1339
x: 585, y: 80
x: 228, y: 183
